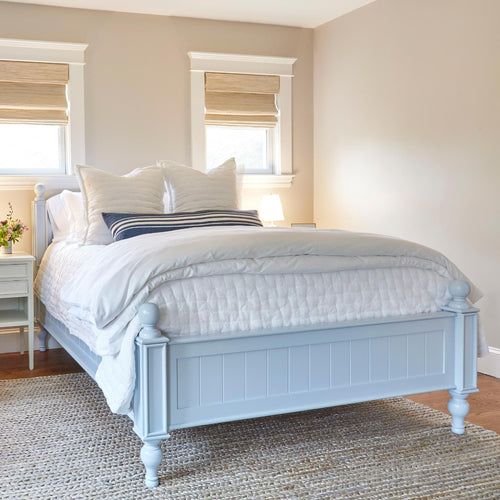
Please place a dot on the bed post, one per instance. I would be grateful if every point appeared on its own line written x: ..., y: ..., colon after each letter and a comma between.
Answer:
x: 40, y: 235
x: 39, y: 243
x: 150, y: 395
x: 465, y: 353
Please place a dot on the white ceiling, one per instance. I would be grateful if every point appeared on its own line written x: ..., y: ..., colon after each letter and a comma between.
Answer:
x: 304, y: 13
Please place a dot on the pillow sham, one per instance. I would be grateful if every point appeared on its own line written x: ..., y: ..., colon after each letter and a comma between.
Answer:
x: 123, y: 226
x: 140, y: 191
x: 66, y: 214
x: 59, y: 220
x: 190, y: 190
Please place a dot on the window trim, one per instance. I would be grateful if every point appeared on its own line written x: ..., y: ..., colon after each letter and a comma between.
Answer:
x: 72, y: 54
x: 201, y: 62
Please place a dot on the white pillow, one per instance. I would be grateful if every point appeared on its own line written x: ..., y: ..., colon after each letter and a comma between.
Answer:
x: 140, y: 191
x: 66, y: 215
x: 59, y: 219
x: 190, y: 190
x: 73, y: 203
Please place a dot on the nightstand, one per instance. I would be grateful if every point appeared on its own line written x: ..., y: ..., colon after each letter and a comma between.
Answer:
x: 16, y: 296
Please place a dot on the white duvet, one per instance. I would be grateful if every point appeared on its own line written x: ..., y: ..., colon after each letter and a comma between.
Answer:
x: 230, y: 280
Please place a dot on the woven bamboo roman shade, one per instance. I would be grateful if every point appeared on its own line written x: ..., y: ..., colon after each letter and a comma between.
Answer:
x: 236, y: 99
x: 33, y: 92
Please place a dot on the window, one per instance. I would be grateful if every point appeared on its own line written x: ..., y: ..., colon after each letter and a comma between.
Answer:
x: 33, y: 117
x: 241, y: 108
x: 28, y: 148
x: 41, y: 110
x: 241, y: 118
x: 252, y: 147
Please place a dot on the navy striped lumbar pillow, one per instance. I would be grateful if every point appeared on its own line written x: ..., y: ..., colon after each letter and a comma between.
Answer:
x: 123, y: 226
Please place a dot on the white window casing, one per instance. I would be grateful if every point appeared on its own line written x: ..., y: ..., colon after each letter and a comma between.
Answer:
x: 202, y: 62
x: 72, y: 54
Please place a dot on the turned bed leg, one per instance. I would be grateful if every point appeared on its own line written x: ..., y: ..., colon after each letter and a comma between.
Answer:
x: 151, y: 390
x: 43, y: 339
x: 459, y: 408
x: 151, y: 457
x: 465, y: 371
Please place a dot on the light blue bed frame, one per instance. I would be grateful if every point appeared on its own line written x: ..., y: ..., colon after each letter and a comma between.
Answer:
x: 187, y: 382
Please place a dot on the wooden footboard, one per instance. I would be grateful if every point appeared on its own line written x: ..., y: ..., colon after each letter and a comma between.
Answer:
x: 233, y: 379
x: 202, y: 380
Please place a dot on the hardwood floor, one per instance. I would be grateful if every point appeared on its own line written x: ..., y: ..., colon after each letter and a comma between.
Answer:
x: 485, y: 405
x: 52, y: 362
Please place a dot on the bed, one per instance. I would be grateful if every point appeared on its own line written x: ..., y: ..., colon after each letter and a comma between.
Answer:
x: 176, y: 376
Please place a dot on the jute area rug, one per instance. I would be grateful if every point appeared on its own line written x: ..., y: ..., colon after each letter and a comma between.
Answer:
x: 59, y: 440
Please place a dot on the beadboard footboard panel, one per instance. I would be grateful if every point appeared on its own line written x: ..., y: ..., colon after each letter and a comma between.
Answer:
x: 237, y: 378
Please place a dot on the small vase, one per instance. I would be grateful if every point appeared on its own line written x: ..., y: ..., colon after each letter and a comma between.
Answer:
x: 6, y: 250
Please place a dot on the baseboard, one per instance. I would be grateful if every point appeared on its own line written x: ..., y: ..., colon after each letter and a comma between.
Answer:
x: 10, y: 342
x: 490, y: 364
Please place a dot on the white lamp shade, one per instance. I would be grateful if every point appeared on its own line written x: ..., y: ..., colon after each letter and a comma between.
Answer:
x: 271, y: 209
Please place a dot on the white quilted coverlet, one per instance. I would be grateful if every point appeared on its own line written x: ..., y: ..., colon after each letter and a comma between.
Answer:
x: 234, y: 303
x: 227, y: 296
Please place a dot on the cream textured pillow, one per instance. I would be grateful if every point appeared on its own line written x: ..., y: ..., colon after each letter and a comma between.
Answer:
x: 190, y: 190
x: 140, y: 191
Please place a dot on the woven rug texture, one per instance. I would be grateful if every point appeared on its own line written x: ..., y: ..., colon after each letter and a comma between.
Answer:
x: 60, y: 441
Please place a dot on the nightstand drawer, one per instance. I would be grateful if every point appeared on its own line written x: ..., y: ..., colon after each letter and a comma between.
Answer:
x: 8, y: 271
x: 8, y: 288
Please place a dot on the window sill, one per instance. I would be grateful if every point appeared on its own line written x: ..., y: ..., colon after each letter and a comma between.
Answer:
x: 256, y: 181
x: 27, y: 182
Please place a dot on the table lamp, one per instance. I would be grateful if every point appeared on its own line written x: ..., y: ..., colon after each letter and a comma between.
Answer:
x: 271, y: 210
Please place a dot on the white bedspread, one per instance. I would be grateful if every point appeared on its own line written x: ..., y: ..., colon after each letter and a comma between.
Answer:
x: 228, y: 280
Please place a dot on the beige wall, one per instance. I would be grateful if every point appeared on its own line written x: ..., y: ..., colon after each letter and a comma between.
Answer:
x: 137, y: 86
x: 407, y: 114
x: 407, y: 130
